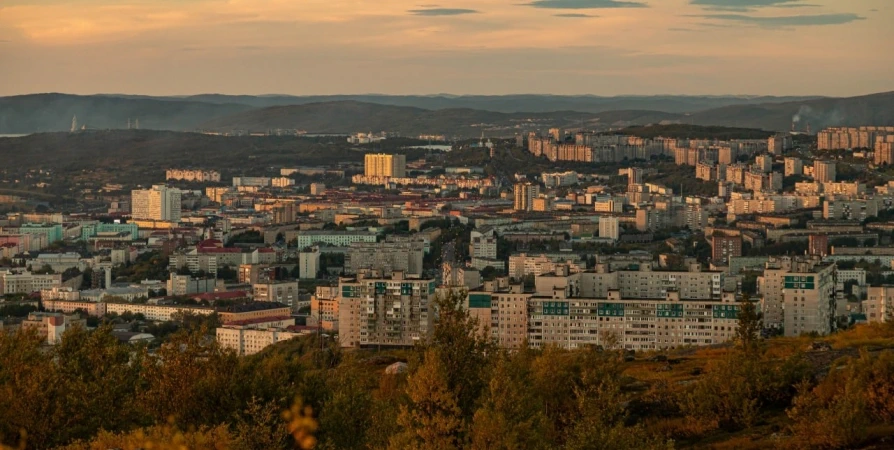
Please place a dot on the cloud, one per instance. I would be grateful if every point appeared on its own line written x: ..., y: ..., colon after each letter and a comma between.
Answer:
x: 574, y: 15
x: 787, y: 21
x: 442, y: 11
x: 739, y: 5
x: 584, y: 4
x: 749, y: 5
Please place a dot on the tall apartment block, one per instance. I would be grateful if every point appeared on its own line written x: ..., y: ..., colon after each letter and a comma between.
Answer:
x: 379, y: 311
x: 384, y: 165
x: 159, y: 203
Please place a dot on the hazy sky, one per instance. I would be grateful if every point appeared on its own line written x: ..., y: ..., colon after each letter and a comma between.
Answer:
x: 603, y: 47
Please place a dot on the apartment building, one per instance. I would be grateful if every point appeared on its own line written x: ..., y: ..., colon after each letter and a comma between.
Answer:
x: 724, y: 247
x: 793, y: 166
x: 387, y: 256
x: 309, y: 263
x: 285, y: 292
x: 391, y: 312
x: 824, y: 171
x: 331, y: 237
x: 634, y: 324
x: 522, y: 265
x: 502, y: 313
x: 247, y: 340
x: 160, y: 203
x: 879, y: 304
x: 525, y: 193
x: 641, y: 282
x: 193, y: 175
x: 324, y: 308
x: 798, y: 295
x: 809, y: 300
x: 483, y: 245
x: 609, y: 227
x: 558, y: 179
x: 856, y: 209
x: 384, y: 165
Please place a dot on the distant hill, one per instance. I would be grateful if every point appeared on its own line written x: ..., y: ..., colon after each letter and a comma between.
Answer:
x: 512, y: 103
x: 53, y: 112
x: 352, y: 116
x: 875, y: 109
x: 462, y: 116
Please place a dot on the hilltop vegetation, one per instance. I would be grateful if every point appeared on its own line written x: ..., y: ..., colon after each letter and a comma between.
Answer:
x: 458, y: 392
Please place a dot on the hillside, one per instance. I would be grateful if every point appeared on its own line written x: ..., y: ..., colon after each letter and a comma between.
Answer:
x: 53, y: 112
x: 875, y: 109
x: 512, y: 103
x: 351, y: 116
x: 348, y: 116
x: 140, y: 156
x: 456, y: 116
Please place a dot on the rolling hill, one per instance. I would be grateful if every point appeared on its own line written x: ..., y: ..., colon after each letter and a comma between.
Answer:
x: 463, y: 116
x: 875, y: 109
x: 352, y: 116
x: 53, y: 112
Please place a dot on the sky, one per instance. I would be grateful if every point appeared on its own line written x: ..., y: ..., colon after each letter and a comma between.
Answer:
x: 569, y: 47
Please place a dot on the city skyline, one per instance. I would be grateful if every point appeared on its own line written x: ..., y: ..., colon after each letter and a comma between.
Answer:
x: 570, y: 47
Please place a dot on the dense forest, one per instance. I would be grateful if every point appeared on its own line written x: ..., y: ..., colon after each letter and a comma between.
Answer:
x: 458, y: 391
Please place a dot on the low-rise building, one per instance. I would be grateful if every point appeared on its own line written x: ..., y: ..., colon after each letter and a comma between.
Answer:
x: 51, y: 326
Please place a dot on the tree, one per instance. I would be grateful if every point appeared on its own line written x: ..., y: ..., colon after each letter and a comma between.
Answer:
x: 463, y: 349
x: 511, y: 415
x: 347, y: 415
x: 432, y: 419
x: 749, y: 325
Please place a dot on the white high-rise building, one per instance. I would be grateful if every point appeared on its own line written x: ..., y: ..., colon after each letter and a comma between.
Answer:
x: 609, y: 227
x: 159, y: 203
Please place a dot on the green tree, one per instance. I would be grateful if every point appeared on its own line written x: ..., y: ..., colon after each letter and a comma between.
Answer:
x: 463, y: 349
x: 347, y: 414
x: 749, y: 325
x: 511, y: 415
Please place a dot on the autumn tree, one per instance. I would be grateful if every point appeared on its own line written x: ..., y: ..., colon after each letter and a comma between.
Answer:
x: 432, y: 418
x: 511, y: 415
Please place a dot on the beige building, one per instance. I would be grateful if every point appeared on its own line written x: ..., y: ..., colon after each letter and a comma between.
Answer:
x: 246, y: 340
x: 502, y: 313
x: 192, y: 175
x: 387, y: 312
x: 383, y: 165
x: 26, y: 282
x: 798, y: 295
x: 793, y: 166
x: 824, y: 171
x: 387, y: 256
x: 51, y: 325
x: 609, y: 227
x: 324, y: 308
x: 525, y: 193
x: 285, y: 292
x: 160, y: 203
x: 879, y: 304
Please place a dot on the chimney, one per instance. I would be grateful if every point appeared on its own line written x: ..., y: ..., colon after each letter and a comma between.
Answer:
x: 108, y: 283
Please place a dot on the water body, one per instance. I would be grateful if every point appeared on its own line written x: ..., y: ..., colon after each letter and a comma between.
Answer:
x: 12, y: 135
